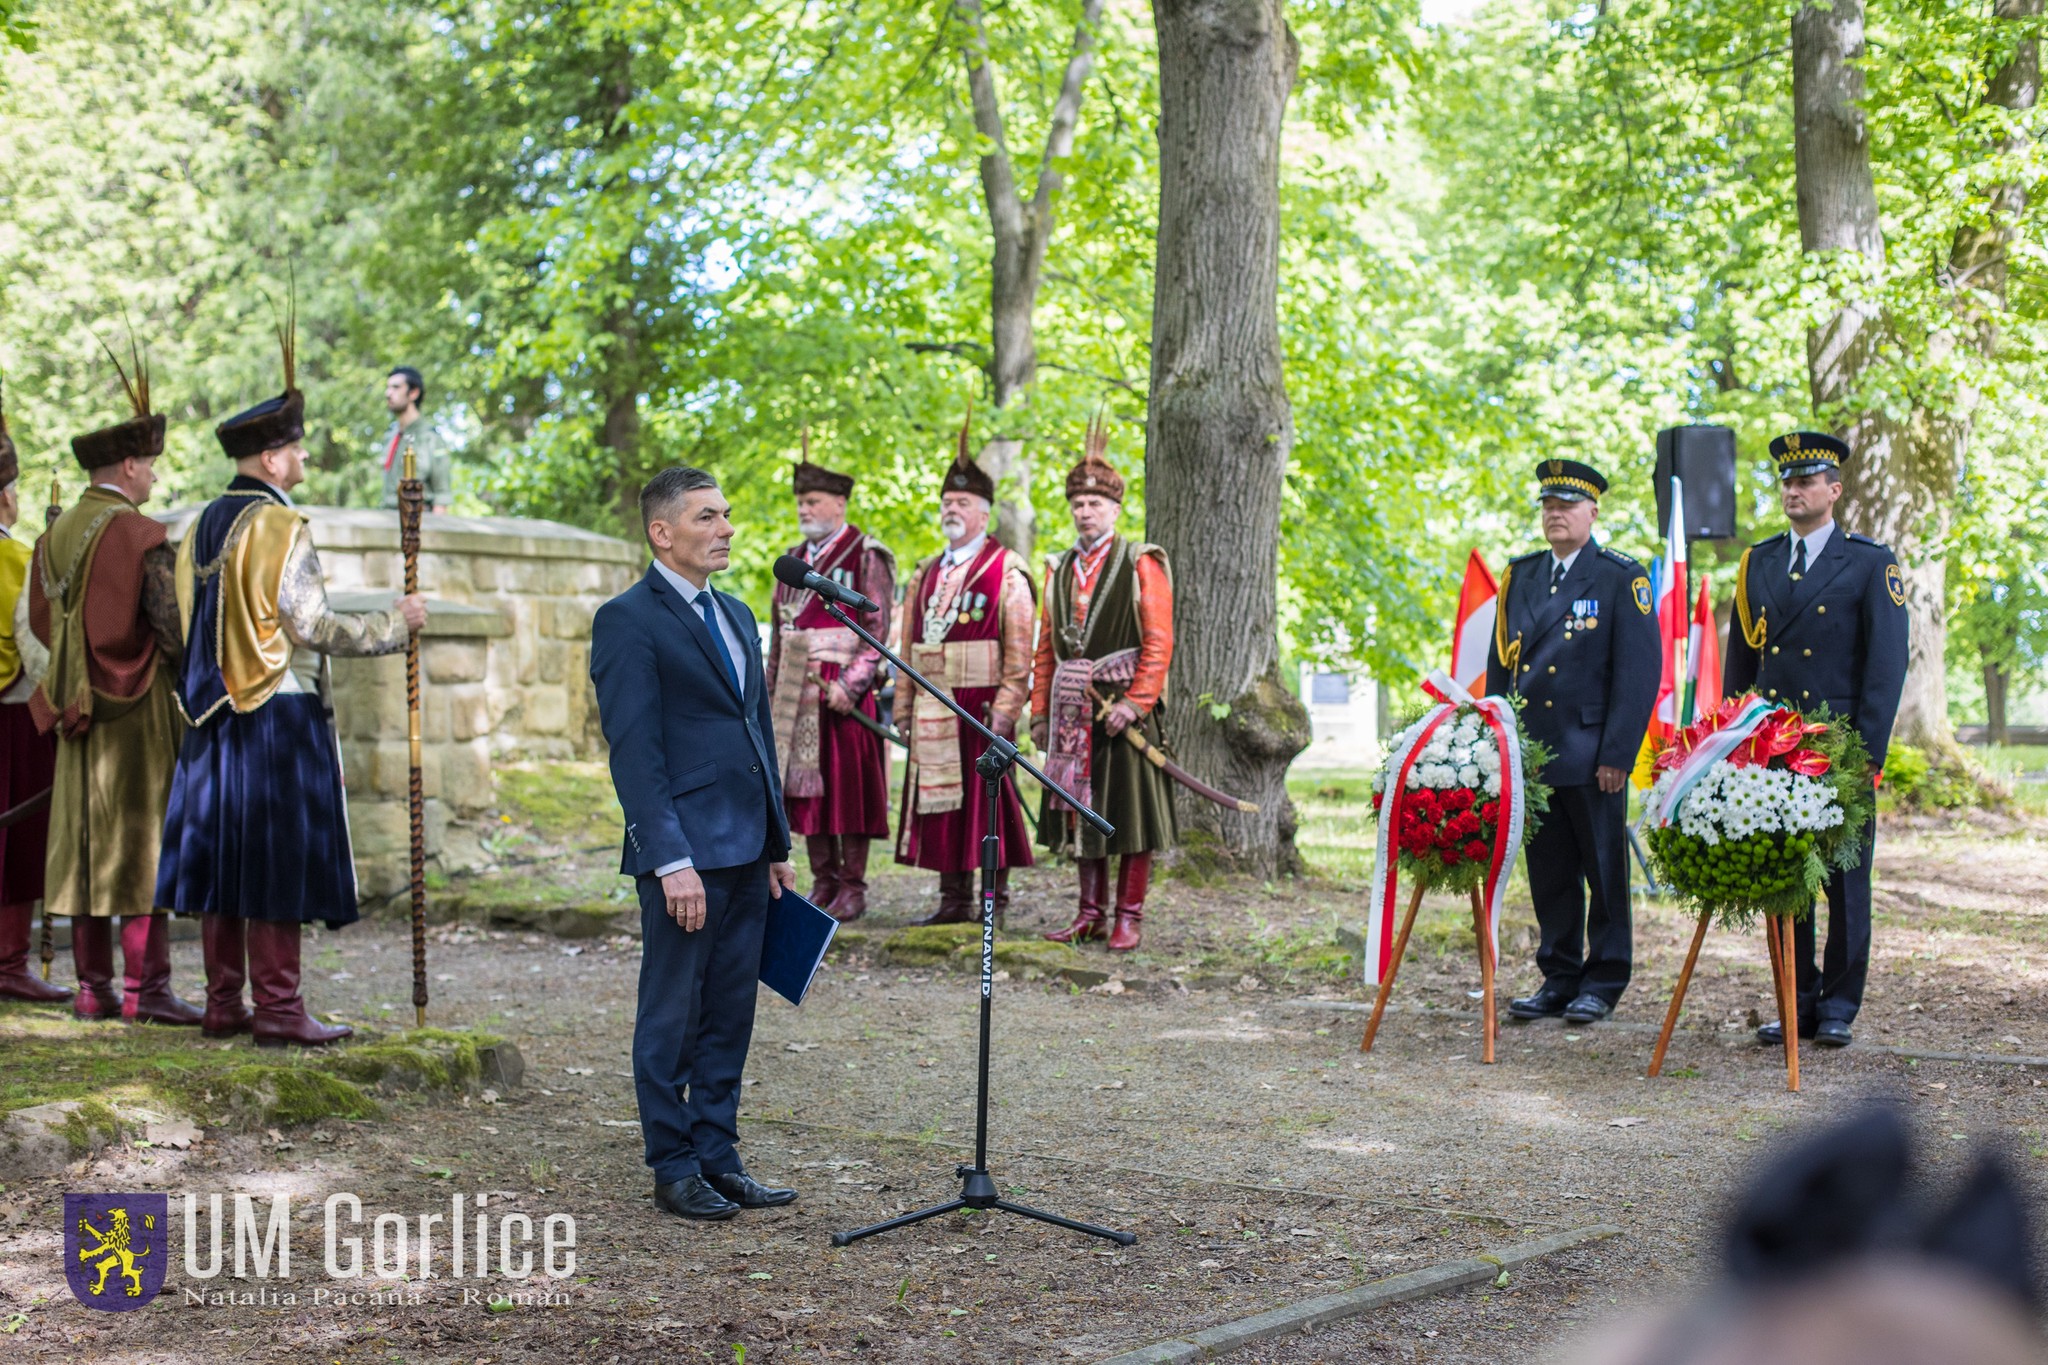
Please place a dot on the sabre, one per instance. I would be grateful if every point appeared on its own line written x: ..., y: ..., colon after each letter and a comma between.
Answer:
x: 1158, y: 759
x: 893, y: 736
x: 411, y: 495
x: 47, y: 949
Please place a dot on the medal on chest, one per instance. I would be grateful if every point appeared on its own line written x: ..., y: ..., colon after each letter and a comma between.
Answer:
x: 1585, y: 615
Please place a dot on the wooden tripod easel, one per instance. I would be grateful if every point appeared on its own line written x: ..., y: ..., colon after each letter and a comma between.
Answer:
x: 1784, y: 986
x: 1379, y: 1005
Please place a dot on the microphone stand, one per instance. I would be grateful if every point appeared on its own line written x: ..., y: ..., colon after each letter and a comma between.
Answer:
x: 977, y: 1186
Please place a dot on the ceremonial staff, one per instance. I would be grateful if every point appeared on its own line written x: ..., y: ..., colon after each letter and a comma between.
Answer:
x: 48, y: 948
x: 411, y: 495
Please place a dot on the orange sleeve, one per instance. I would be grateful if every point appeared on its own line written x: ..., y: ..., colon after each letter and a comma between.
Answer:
x: 1155, y: 633
x: 1041, y: 658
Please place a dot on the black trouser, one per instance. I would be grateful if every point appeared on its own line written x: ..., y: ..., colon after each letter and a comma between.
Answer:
x: 1835, y: 991
x: 695, y: 1019
x: 1580, y: 846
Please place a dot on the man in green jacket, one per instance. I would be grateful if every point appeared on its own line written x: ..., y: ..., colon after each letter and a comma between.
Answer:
x: 404, y: 391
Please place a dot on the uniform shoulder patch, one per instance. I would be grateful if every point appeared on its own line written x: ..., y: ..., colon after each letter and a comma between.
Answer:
x: 1527, y: 558
x: 1641, y: 589
x: 1895, y: 584
x: 1620, y: 558
x: 1858, y: 538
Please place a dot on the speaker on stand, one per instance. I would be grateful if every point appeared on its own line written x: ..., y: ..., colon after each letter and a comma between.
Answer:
x: 1703, y: 459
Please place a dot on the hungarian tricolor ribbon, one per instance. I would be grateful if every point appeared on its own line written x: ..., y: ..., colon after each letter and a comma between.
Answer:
x: 1663, y: 809
x: 1498, y: 715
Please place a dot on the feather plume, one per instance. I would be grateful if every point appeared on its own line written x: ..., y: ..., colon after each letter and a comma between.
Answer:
x: 966, y: 426
x: 287, y: 327
x: 3, y: 410
x: 1096, y: 447
x: 137, y: 384
x: 804, y: 435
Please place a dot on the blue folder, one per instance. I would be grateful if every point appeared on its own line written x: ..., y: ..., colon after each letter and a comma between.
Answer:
x: 794, y: 944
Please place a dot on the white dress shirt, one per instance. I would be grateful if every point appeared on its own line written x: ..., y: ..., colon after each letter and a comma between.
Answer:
x: 966, y: 553
x: 690, y: 593
x: 1816, y: 541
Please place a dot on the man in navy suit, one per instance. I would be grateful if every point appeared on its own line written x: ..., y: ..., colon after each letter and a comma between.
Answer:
x: 681, y: 694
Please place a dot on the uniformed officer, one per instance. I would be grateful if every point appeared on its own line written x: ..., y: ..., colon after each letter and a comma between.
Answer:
x: 1820, y: 616
x: 1573, y: 636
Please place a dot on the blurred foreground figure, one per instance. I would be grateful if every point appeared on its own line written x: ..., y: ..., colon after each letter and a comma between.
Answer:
x: 1836, y: 1255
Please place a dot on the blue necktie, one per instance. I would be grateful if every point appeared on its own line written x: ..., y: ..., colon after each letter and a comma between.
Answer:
x: 704, y: 604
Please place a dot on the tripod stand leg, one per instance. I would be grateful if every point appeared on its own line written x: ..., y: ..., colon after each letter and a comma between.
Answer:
x: 840, y: 1239
x: 1379, y: 1004
x: 1122, y: 1239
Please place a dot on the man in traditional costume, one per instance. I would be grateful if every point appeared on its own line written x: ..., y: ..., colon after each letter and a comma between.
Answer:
x: 1105, y: 643
x: 835, y: 772
x: 28, y: 758
x: 102, y: 604
x: 256, y: 839
x: 967, y: 624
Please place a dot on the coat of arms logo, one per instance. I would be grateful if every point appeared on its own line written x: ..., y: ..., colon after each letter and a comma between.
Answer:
x: 116, y: 1247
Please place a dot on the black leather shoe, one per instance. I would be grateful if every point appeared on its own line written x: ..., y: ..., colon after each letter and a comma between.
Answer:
x: 692, y: 1197
x: 747, y: 1192
x: 1547, y: 1003
x: 1774, y: 1036
x: 1832, y: 1033
x: 1587, y: 1009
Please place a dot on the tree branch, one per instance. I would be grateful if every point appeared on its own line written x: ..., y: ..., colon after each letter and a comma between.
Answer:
x: 1066, y: 111
x: 998, y: 180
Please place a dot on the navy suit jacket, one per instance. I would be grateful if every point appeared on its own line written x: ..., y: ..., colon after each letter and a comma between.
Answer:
x: 693, y: 761
x: 1588, y: 689
x: 1836, y: 636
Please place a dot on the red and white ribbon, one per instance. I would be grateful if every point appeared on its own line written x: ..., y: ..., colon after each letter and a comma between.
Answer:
x: 1498, y: 715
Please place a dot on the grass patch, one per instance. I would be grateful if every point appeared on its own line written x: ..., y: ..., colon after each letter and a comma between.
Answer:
x: 223, y: 1085
x: 1336, y: 833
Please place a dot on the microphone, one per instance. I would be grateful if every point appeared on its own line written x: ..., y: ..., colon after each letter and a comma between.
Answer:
x: 793, y: 571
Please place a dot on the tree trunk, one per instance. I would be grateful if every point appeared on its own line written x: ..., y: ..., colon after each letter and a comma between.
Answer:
x: 1219, y: 429
x: 1019, y: 230
x: 1996, y: 678
x: 1897, y: 483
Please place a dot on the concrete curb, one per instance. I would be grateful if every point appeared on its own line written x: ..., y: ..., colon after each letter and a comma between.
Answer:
x: 1317, y: 1312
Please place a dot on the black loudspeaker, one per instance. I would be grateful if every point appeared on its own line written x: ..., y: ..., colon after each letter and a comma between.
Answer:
x: 1703, y: 459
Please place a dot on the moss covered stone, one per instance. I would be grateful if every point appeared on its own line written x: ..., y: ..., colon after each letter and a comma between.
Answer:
x: 928, y: 945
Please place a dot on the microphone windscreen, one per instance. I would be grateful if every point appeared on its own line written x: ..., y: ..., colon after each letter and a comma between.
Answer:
x: 791, y: 570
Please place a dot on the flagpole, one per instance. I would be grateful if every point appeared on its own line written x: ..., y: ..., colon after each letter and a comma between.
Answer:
x: 47, y: 949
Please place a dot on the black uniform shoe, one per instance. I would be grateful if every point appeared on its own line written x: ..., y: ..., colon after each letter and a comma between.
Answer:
x: 1774, y: 1036
x: 1547, y: 1003
x: 1832, y: 1033
x: 1587, y: 1009
x: 747, y: 1192
x: 692, y: 1197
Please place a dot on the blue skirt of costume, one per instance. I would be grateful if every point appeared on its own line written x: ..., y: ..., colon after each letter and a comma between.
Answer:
x: 258, y: 826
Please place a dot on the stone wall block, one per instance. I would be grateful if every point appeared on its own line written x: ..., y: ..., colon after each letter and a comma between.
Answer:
x: 456, y: 661
x: 547, y: 711
x: 468, y: 710
x: 466, y: 777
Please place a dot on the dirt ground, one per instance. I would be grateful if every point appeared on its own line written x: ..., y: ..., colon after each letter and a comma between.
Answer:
x: 1212, y: 1100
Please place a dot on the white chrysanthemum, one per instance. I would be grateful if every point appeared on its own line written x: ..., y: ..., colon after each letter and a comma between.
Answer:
x: 1468, y: 775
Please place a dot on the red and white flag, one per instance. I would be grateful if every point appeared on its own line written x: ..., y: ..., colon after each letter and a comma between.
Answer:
x: 1674, y: 622
x: 1705, y: 662
x: 1472, y: 636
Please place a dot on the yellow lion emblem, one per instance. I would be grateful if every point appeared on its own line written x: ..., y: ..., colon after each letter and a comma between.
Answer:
x: 115, y: 1249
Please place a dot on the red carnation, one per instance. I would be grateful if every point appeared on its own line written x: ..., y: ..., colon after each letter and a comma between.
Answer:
x: 1490, y: 812
x: 1449, y: 857
x: 1477, y: 851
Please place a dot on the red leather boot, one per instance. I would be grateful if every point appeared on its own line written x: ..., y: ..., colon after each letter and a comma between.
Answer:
x: 92, y: 949
x: 226, y: 941
x: 852, y: 901
x: 956, y: 900
x: 1087, y: 923
x: 281, y: 1017
x: 1133, y: 876
x: 146, y: 972
x: 823, y: 850
x: 17, y: 982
